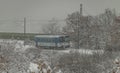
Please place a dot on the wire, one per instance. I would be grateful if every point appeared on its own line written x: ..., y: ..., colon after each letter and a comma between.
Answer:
x: 31, y: 20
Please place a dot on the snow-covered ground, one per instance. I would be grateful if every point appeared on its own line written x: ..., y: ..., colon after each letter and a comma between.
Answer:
x: 81, y: 51
x: 33, y: 68
x: 21, y: 57
x: 26, y: 54
x: 17, y: 44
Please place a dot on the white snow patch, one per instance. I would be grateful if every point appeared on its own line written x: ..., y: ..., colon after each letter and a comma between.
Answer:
x: 33, y: 68
x: 82, y: 51
x: 59, y: 71
x: 17, y: 44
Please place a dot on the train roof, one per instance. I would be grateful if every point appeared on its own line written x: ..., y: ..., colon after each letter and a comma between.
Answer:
x: 50, y: 36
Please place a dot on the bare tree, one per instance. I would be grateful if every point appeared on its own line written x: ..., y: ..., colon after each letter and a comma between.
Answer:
x: 101, y: 28
x: 95, y: 31
x: 106, y: 21
x: 83, y: 63
x: 77, y: 24
x: 52, y: 27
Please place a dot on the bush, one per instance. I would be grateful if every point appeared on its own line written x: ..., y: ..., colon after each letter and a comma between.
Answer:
x: 83, y: 63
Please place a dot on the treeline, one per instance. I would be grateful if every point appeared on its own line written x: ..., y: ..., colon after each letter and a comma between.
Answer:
x: 19, y: 36
x: 90, y: 32
x: 95, y: 32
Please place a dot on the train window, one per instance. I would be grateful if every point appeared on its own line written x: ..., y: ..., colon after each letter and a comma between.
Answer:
x: 67, y: 39
x: 61, y: 39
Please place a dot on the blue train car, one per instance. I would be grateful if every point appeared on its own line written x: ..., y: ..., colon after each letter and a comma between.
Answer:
x: 52, y: 41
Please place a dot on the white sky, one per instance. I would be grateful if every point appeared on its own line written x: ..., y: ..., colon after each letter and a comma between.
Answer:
x: 46, y: 10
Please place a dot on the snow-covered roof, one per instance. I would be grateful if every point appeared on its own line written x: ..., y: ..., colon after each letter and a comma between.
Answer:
x: 49, y: 36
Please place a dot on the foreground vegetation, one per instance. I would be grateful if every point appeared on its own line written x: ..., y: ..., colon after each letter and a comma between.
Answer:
x: 82, y: 63
x: 16, y: 60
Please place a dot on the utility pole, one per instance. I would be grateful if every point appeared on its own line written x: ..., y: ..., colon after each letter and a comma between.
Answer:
x: 79, y: 22
x: 80, y: 9
x: 24, y: 30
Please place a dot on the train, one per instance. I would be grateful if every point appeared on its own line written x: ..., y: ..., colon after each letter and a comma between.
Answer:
x: 52, y: 41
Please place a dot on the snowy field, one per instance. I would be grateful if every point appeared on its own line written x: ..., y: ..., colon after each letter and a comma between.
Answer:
x: 22, y: 58
x: 19, y: 46
x: 27, y: 56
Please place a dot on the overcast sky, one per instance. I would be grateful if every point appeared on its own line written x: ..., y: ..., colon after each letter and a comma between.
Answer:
x: 47, y: 9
